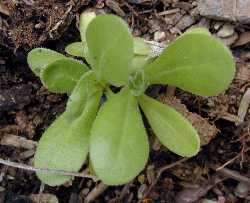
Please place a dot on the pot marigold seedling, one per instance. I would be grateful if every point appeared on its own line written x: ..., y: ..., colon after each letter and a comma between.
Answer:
x: 114, y: 135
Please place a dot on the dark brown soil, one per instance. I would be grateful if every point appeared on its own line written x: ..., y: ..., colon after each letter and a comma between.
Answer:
x: 27, y: 108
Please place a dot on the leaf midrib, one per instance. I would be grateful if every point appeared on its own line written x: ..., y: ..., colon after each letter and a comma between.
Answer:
x: 181, y: 68
x: 123, y: 134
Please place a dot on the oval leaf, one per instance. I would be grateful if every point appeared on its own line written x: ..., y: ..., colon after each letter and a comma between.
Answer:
x: 40, y: 57
x: 195, y: 62
x: 75, y: 49
x: 141, y: 47
x: 85, y: 88
x: 198, y: 30
x: 85, y: 19
x: 118, y: 143
x: 64, y: 145
x: 62, y: 75
x: 110, y: 46
x: 172, y: 129
x: 140, y: 62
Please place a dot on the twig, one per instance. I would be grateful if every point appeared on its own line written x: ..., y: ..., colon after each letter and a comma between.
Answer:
x: 124, y: 191
x: 40, y: 192
x: 160, y: 171
x: 232, y: 160
x: 99, y: 189
x: 188, y: 195
x: 232, y: 174
x: 244, y: 104
x: 43, y: 170
x: 164, y: 168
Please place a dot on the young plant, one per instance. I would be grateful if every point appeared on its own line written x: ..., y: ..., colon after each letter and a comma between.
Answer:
x: 114, y: 135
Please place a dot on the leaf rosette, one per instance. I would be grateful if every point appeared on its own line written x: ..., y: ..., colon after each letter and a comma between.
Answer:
x: 113, y: 133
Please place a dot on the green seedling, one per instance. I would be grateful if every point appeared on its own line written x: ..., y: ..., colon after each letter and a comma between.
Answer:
x: 113, y: 134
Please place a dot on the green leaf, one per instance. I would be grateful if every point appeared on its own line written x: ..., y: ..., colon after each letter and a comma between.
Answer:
x: 141, y: 47
x: 65, y: 144
x: 195, y: 62
x: 75, y: 49
x: 85, y: 19
x: 197, y: 30
x: 85, y: 88
x: 62, y: 75
x: 39, y: 58
x: 118, y: 143
x: 110, y: 45
x: 140, y: 62
x: 172, y: 129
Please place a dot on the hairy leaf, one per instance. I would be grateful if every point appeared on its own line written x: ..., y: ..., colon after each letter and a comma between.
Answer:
x: 140, y: 62
x: 62, y: 75
x: 110, y: 46
x: 172, y: 129
x: 39, y: 58
x: 85, y: 19
x: 141, y: 47
x: 75, y: 49
x: 85, y: 88
x: 197, y: 30
x: 118, y: 143
x: 65, y: 144
x: 195, y: 62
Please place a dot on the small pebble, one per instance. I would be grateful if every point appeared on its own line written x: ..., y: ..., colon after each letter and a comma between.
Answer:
x: 226, y: 31
x: 185, y: 22
x: 159, y: 36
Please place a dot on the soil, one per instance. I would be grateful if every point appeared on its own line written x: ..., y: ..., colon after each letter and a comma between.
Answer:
x: 27, y: 108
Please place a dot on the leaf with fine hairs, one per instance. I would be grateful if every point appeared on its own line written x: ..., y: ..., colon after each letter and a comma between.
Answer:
x: 110, y: 47
x: 39, y: 58
x: 65, y: 144
x: 195, y: 62
x: 172, y: 129
x: 62, y: 75
x: 75, y: 49
x: 118, y: 143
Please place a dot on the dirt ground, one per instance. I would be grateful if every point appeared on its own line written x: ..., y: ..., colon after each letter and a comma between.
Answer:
x: 220, y: 173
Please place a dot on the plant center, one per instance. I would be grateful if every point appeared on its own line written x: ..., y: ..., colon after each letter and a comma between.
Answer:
x: 138, y: 82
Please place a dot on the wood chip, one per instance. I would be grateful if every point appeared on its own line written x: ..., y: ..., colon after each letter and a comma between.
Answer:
x: 243, y: 72
x: 17, y: 141
x: 115, y: 7
x: 243, y: 39
x: 4, y: 9
x: 244, y: 104
x: 169, y: 12
x: 44, y: 198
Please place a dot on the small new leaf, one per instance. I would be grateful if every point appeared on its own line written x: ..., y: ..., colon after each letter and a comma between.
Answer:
x: 118, y: 144
x: 141, y: 47
x: 172, y: 129
x: 75, y: 49
x: 85, y: 19
x: 110, y: 46
x: 195, y: 62
x: 62, y: 75
x: 39, y: 58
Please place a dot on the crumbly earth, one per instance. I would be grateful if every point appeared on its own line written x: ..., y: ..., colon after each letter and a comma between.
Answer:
x: 27, y: 108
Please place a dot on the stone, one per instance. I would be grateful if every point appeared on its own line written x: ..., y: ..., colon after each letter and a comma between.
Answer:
x: 159, y: 36
x: 227, y: 30
x: 230, y: 10
x: 185, y: 22
x: 230, y: 40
